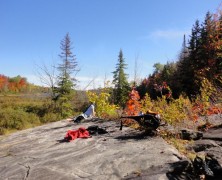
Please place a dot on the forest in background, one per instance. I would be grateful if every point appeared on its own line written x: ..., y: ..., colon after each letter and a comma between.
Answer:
x: 192, y: 84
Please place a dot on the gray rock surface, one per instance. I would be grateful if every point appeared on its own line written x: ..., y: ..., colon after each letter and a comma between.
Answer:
x: 214, y: 133
x: 40, y: 153
x: 211, y: 143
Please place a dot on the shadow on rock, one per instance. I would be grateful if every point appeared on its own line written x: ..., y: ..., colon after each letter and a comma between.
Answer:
x: 208, y: 169
x: 62, y: 141
x: 136, y: 136
x: 181, y: 170
x: 173, y: 171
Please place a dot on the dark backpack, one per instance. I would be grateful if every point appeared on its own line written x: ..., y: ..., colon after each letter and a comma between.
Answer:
x: 95, y: 130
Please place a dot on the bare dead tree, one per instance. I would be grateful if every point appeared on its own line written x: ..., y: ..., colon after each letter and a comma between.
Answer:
x: 48, y: 77
x: 92, y: 81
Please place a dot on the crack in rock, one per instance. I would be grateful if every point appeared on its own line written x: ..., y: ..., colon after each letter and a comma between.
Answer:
x: 28, y: 169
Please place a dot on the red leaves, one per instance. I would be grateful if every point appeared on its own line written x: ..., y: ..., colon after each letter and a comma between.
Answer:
x: 3, y: 81
x: 200, y: 110
x: 12, y: 84
x: 133, y: 104
x: 213, y: 110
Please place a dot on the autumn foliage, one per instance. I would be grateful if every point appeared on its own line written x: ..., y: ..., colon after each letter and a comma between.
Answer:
x: 104, y: 109
x: 15, y: 84
x: 133, y: 104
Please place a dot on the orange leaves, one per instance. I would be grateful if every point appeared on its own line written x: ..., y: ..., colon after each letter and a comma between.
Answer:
x: 133, y: 104
x: 3, y: 81
x: 199, y: 109
x: 132, y: 107
x: 15, y: 84
x: 12, y: 86
x: 195, y: 117
x: 214, y: 110
x: 22, y: 82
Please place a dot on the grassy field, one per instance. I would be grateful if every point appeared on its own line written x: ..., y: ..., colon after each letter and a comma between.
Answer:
x: 23, y: 111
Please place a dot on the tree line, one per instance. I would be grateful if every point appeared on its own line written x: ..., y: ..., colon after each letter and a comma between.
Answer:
x: 13, y: 84
x: 199, y: 66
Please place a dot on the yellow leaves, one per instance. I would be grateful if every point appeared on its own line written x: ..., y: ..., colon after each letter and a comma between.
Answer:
x: 146, y: 103
x: 103, y: 107
x: 172, y: 113
x: 204, y: 104
x: 207, y: 90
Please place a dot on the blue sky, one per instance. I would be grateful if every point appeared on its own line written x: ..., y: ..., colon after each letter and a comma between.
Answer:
x: 148, y: 31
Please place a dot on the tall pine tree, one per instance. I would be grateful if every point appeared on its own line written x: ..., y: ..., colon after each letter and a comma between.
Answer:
x: 66, y: 83
x: 190, y: 81
x: 121, y: 85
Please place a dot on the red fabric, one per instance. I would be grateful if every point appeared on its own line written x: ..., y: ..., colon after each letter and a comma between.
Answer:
x: 74, y: 134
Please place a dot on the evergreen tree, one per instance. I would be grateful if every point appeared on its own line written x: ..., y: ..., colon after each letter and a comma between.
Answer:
x: 121, y: 85
x: 180, y: 74
x: 190, y: 81
x: 184, y: 50
x: 215, y: 47
x: 199, y: 61
x: 168, y: 72
x: 204, y: 53
x: 218, y: 62
x: 66, y: 83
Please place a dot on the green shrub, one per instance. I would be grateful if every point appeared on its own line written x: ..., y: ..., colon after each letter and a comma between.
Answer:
x: 173, y: 112
x: 17, y: 119
x: 146, y: 104
x: 18, y: 112
x: 51, y: 117
x: 2, y: 131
